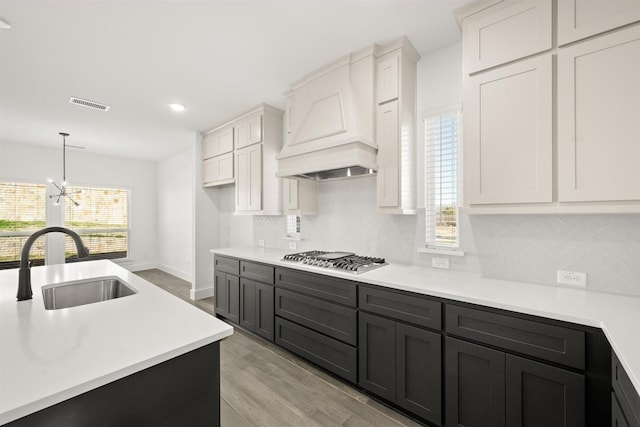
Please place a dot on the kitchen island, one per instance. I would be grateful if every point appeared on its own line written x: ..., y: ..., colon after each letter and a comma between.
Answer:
x: 109, y: 362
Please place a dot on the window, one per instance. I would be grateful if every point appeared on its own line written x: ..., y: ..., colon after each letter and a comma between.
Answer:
x: 441, y: 175
x: 102, y: 220
x: 22, y: 211
x: 293, y: 226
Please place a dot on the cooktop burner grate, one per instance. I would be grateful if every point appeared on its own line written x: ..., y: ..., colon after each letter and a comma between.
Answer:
x: 342, y: 261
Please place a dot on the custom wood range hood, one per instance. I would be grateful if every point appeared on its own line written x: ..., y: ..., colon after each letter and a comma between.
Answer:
x: 331, y: 118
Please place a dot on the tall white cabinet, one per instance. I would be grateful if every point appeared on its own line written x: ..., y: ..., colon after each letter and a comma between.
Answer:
x: 396, y: 127
x: 550, y: 126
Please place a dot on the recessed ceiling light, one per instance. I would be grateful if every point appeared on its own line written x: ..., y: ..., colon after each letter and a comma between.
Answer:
x: 4, y: 24
x: 177, y: 107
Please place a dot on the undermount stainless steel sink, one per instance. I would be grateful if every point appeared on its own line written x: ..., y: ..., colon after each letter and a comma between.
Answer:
x: 81, y: 292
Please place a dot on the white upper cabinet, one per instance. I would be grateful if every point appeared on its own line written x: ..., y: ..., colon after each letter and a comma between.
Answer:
x: 243, y: 152
x: 248, y: 131
x: 300, y: 197
x: 579, y: 19
x: 217, y: 142
x: 396, y: 128
x: 504, y: 34
x: 218, y: 170
x: 508, y: 134
x: 598, y: 118
x: 387, y: 79
x: 249, y: 179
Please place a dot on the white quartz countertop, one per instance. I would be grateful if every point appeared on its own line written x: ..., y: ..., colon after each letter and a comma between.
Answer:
x: 616, y: 315
x: 48, y: 356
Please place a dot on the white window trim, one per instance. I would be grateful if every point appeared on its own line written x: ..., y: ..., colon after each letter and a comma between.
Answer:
x: 451, y: 250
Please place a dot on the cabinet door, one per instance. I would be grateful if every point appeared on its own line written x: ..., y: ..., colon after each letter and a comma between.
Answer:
x: 418, y: 372
x: 233, y: 298
x: 388, y: 139
x: 254, y: 128
x: 475, y: 385
x: 617, y: 416
x: 387, y: 78
x: 264, y: 310
x: 248, y: 131
x: 377, y: 355
x: 218, y: 169
x: 248, y: 304
x: 291, y: 194
x: 543, y: 395
x: 218, y: 142
x: 497, y: 37
x: 598, y: 113
x: 578, y: 19
x: 508, y: 134
x: 249, y: 179
x: 220, y: 293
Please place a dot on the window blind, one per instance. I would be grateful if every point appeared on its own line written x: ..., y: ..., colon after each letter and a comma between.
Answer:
x: 102, y: 220
x: 22, y: 211
x: 441, y: 175
x: 293, y: 225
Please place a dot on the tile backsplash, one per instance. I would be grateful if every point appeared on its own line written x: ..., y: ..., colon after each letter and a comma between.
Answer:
x: 529, y: 248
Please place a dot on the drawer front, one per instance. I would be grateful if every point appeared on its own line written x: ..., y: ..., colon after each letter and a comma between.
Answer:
x: 617, y: 416
x: 625, y: 392
x: 226, y: 264
x: 327, y: 288
x: 549, y: 342
x: 333, y: 355
x: 412, y: 309
x: 330, y: 319
x: 258, y: 272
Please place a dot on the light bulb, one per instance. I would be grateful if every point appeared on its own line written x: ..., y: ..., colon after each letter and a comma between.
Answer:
x: 65, y: 183
x: 177, y: 107
x: 56, y: 203
x: 49, y: 180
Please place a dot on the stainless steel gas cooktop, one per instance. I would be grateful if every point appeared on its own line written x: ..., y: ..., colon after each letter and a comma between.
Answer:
x: 343, y: 261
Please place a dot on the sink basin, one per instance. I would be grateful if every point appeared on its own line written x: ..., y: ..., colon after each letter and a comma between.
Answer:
x: 81, y: 292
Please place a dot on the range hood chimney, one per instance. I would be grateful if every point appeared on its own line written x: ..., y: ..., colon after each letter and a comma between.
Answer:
x: 330, y: 121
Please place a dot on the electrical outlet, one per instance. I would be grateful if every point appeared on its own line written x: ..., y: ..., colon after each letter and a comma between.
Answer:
x: 293, y: 245
x: 576, y: 278
x: 440, y: 263
x: 261, y: 242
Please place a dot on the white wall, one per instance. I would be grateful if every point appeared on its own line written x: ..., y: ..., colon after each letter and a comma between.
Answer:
x: 176, y: 180
x: 35, y: 164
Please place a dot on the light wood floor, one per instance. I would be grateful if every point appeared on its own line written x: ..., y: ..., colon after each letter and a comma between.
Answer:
x: 264, y: 386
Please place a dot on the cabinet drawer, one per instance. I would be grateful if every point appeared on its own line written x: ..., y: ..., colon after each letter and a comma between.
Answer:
x: 549, y: 342
x: 617, y: 416
x: 625, y: 392
x: 330, y: 319
x: 412, y: 309
x: 337, y: 357
x: 227, y: 265
x: 328, y: 288
x: 259, y: 272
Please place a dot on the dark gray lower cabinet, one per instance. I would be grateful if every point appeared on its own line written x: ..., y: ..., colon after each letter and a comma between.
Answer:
x: 627, y: 408
x: 333, y: 355
x: 256, y: 307
x: 617, y: 416
x: 541, y: 395
x: 488, y: 388
x: 402, y: 364
x: 475, y: 385
x: 227, y: 296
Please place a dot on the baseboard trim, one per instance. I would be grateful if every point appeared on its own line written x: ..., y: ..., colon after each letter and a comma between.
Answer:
x: 181, y: 274
x: 201, y: 293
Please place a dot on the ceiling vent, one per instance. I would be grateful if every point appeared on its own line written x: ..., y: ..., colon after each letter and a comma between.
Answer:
x: 88, y: 104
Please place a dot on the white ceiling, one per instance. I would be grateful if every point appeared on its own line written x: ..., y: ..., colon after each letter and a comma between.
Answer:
x: 217, y: 57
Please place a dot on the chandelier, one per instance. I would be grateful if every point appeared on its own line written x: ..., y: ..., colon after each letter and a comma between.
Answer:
x: 62, y: 188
